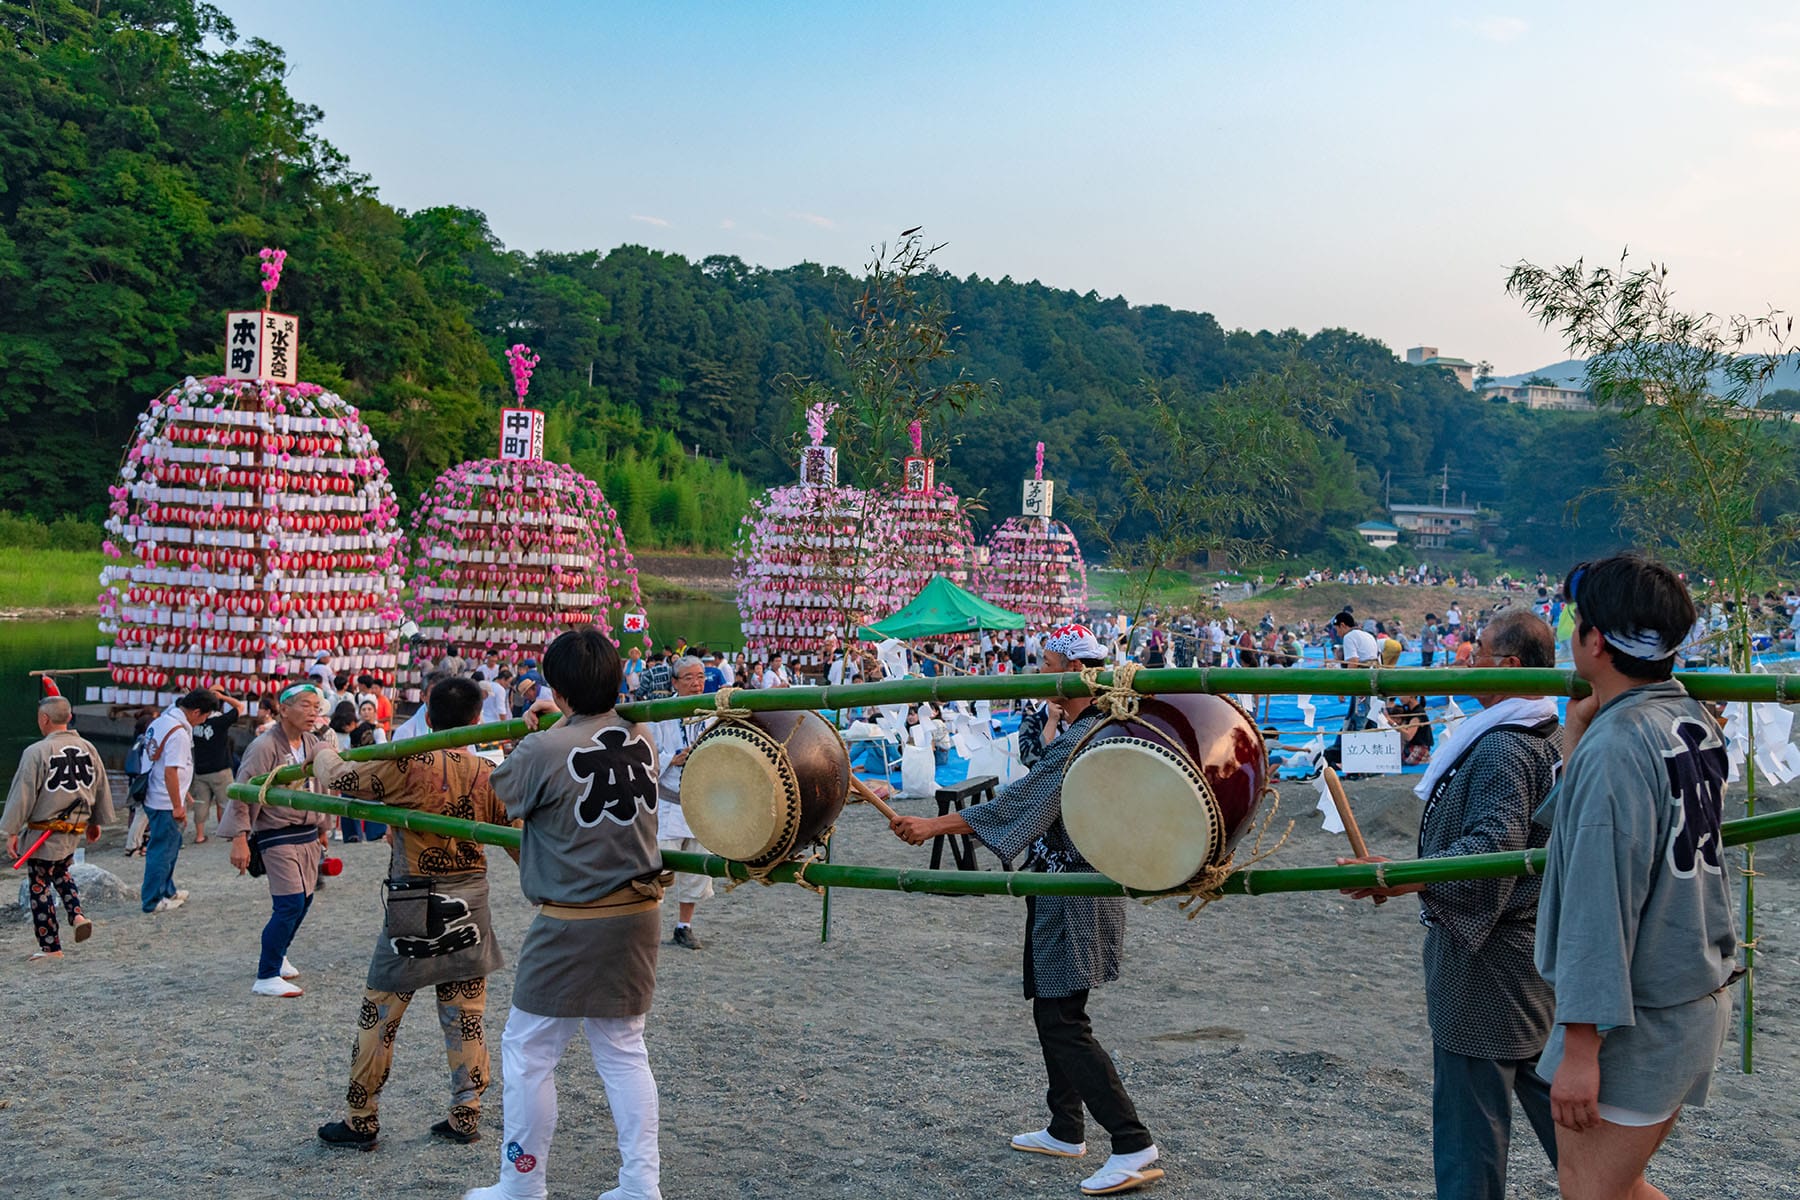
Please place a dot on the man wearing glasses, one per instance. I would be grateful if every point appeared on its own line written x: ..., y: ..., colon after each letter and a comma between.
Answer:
x: 1489, y: 1009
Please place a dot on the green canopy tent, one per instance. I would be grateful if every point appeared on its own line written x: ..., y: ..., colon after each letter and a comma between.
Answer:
x: 942, y: 608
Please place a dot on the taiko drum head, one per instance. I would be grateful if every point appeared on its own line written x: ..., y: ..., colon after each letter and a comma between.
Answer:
x: 755, y: 790
x: 1154, y: 800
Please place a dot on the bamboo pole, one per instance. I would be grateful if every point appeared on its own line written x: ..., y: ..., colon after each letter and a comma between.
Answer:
x: 1352, y: 830
x: 1470, y: 681
x: 1257, y: 882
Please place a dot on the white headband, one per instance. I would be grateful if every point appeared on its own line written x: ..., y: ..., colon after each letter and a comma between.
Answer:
x: 1639, y: 643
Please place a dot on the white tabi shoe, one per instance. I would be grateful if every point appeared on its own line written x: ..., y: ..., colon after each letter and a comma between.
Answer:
x: 1041, y: 1142
x: 288, y: 969
x: 1122, y: 1173
x: 275, y: 987
x: 181, y: 895
x: 167, y: 904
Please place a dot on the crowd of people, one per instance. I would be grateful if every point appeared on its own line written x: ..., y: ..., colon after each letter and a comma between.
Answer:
x: 1596, y: 993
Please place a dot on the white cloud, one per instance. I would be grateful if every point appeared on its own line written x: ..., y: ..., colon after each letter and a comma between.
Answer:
x: 728, y: 223
x: 815, y: 220
x: 1764, y: 82
x: 660, y: 222
x: 1501, y: 29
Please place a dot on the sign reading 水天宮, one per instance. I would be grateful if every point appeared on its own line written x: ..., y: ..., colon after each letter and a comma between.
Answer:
x: 521, y: 433
x: 1372, y: 752
x: 262, y: 346
x: 1039, y: 498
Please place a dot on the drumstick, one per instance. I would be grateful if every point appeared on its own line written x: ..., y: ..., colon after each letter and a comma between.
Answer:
x: 881, y: 806
x: 34, y: 849
x: 1351, y: 830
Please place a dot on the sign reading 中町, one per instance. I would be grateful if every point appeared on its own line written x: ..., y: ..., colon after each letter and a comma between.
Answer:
x: 263, y: 346
x: 1372, y: 752
x: 1039, y: 497
x: 920, y: 475
x: 521, y: 433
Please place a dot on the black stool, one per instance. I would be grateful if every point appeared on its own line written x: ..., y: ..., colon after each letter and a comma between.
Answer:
x: 956, y: 797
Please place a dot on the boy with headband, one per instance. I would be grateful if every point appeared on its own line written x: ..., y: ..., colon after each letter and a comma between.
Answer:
x: 1635, y: 931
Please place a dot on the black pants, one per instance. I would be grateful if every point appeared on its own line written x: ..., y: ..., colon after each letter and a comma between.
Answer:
x: 1082, y: 1073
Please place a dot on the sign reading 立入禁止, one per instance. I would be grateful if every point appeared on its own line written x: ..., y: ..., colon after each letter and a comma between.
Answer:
x: 521, y: 433
x: 263, y: 346
x: 1039, y: 498
x: 1372, y: 752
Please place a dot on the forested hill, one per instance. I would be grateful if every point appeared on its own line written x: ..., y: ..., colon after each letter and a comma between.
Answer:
x: 147, y: 154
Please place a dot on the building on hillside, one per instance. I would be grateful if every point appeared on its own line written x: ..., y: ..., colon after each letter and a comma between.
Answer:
x: 1427, y: 356
x: 1433, y: 525
x: 1542, y: 396
x: 1379, y: 534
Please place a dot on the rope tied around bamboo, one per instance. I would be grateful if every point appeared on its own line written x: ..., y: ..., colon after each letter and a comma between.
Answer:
x: 1119, y: 699
x: 722, y: 710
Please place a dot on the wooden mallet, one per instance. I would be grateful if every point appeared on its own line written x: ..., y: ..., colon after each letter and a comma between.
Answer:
x: 866, y: 793
x: 1352, y: 831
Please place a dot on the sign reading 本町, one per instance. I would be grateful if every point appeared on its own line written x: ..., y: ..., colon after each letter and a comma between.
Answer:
x: 521, y: 433
x: 262, y: 346
x: 1039, y: 498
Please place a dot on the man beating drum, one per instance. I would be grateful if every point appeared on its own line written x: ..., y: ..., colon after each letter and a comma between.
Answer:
x: 1071, y: 943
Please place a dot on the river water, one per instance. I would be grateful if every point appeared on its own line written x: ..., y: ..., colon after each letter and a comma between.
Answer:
x: 27, y: 646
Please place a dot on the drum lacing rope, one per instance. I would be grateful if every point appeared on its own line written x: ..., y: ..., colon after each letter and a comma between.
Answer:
x: 1207, y: 886
x: 1117, y: 700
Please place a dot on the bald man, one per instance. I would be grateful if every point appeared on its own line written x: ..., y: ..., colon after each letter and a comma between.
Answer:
x: 59, y: 794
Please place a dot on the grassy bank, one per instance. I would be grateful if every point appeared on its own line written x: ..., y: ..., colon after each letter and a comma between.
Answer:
x: 49, y: 579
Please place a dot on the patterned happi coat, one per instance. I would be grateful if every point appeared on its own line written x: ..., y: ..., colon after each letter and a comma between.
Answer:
x: 1071, y: 942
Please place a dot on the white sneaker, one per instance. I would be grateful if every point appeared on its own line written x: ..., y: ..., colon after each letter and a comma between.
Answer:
x: 1122, y: 1173
x: 167, y: 903
x: 275, y: 987
x: 288, y: 969
x: 1040, y: 1142
x: 181, y: 895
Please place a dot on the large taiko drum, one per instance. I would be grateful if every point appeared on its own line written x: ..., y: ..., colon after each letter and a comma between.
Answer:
x: 756, y: 789
x: 1155, y: 800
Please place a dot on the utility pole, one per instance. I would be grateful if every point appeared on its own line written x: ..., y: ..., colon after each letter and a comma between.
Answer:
x: 1444, y: 494
x: 1387, y: 484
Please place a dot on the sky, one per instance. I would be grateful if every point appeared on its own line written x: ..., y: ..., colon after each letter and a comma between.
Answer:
x: 1373, y: 166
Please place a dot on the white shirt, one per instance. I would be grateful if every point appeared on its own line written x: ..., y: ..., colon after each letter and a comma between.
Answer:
x: 724, y: 669
x: 837, y: 674
x: 494, y: 705
x: 178, y: 752
x: 672, y: 737
x: 415, y: 726
x: 1360, y: 644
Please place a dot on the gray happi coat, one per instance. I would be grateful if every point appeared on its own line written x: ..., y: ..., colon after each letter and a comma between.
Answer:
x: 1071, y: 942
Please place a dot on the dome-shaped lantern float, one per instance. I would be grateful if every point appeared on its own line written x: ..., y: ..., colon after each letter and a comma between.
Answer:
x: 254, y: 526
x: 1034, y: 562
x: 930, y: 531
x: 811, y: 559
x: 508, y: 552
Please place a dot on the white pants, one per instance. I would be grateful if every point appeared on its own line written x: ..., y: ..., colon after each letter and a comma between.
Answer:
x: 529, y: 1051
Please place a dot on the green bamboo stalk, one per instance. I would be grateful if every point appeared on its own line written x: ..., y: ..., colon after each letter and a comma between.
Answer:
x: 1012, y: 883
x: 1262, y: 681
